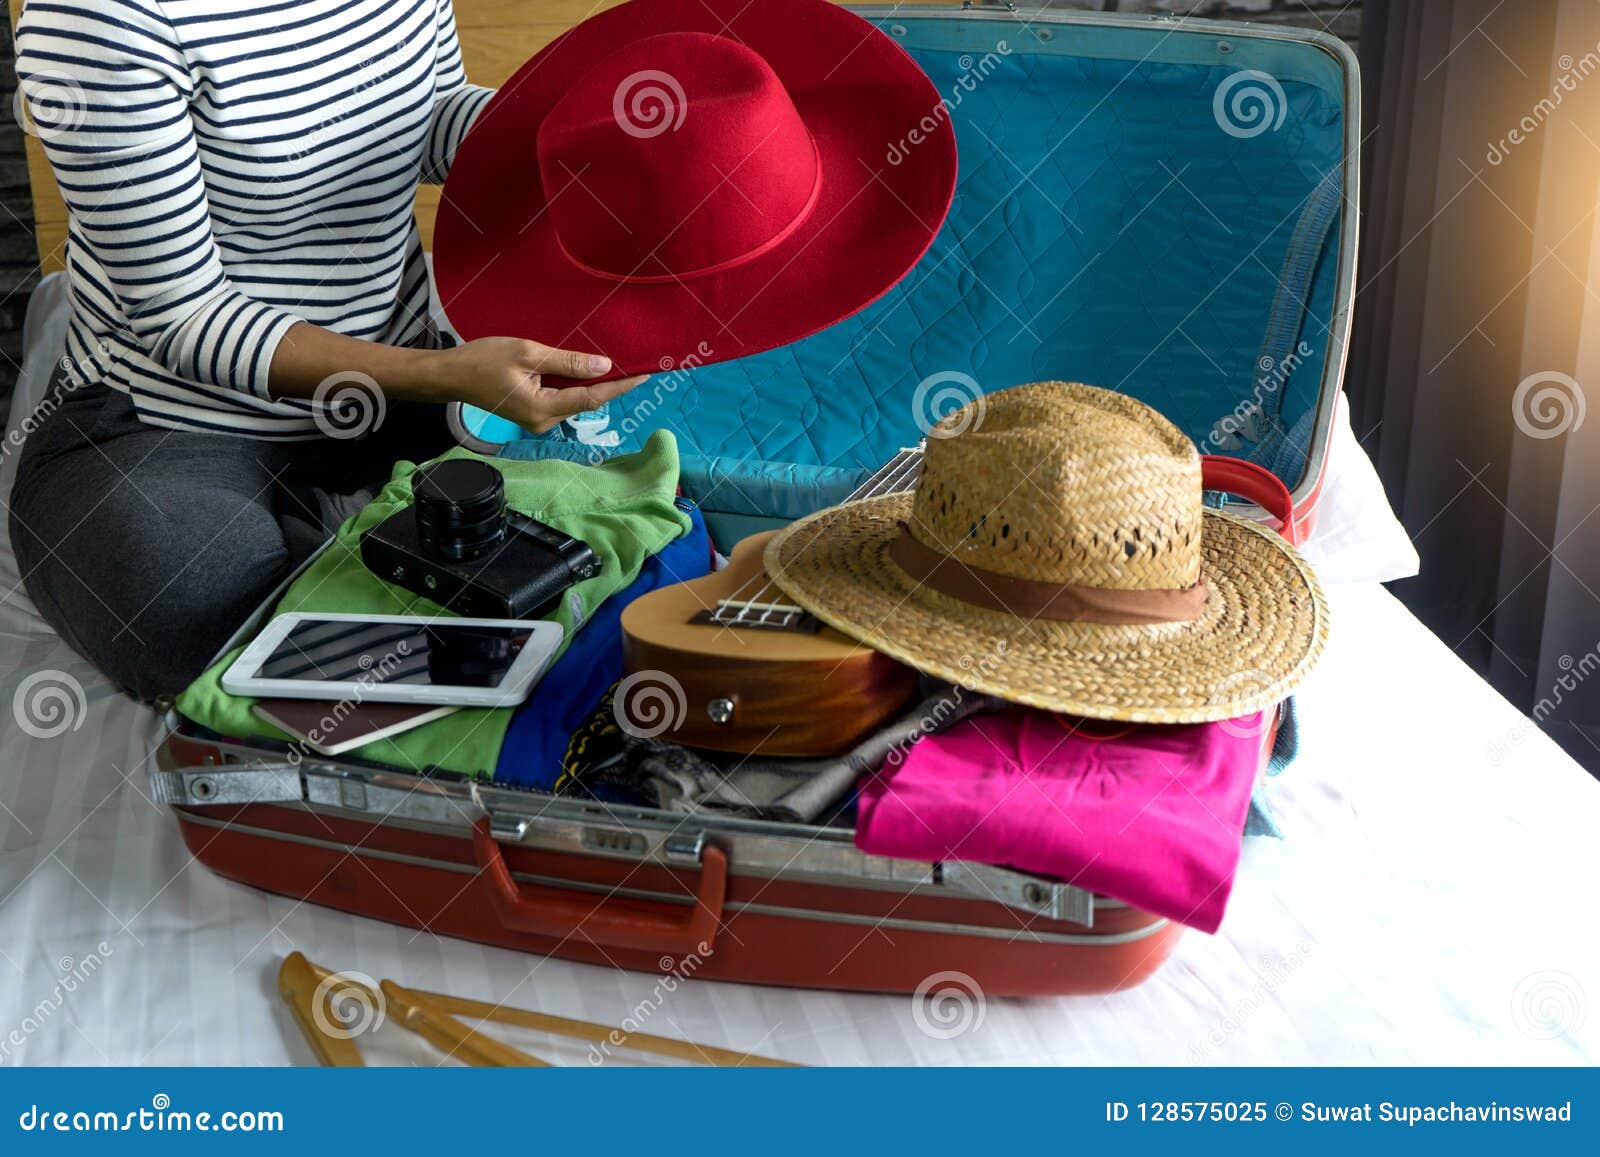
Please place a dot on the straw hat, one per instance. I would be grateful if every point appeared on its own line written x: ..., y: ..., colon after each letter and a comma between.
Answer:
x: 1056, y: 553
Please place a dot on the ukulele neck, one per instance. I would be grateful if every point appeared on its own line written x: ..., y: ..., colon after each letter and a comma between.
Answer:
x: 766, y: 609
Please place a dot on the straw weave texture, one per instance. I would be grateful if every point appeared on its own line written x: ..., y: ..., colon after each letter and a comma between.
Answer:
x: 1060, y: 482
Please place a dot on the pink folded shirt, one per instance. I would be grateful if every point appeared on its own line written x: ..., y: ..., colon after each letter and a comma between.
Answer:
x: 1150, y: 815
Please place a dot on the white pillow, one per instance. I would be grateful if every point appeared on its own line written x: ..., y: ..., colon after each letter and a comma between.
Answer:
x: 1356, y: 537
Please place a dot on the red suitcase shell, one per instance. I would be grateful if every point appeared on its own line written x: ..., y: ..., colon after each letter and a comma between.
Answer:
x: 648, y: 890
x: 651, y: 891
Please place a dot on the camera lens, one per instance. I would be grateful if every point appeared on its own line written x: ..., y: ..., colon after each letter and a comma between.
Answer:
x: 460, y: 507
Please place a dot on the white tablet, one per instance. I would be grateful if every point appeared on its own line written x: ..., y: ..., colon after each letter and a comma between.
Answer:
x: 395, y: 659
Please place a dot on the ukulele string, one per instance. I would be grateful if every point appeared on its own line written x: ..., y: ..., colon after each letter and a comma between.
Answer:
x: 873, y: 487
x: 889, y: 480
x: 734, y: 596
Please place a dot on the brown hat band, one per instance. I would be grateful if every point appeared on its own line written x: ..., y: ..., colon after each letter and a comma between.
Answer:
x: 1028, y: 598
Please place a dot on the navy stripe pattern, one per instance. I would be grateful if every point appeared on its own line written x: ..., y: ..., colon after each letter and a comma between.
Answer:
x: 232, y: 169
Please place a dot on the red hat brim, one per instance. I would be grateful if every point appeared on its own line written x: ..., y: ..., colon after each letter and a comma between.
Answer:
x: 502, y: 272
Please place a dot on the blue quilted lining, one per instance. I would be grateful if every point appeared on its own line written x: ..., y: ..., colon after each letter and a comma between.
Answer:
x: 1105, y: 229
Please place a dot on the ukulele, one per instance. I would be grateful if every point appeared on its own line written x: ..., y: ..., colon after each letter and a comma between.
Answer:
x: 760, y: 675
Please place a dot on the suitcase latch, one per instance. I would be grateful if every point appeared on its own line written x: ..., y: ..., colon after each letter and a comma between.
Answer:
x: 507, y: 829
x: 680, y: 849
x: 685, y: 848
x: 1025, y: 893
x: 206, y: 786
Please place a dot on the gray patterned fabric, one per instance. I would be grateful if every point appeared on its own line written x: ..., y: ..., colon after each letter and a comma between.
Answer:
x: 652, y: 771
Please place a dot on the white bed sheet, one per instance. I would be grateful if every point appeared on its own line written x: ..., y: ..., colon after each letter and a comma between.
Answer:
x: 1433, y: 902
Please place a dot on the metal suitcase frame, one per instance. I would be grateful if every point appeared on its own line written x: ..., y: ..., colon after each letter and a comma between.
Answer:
x: 630, y: 887
x: 640, y: 889
x: 711, y: 897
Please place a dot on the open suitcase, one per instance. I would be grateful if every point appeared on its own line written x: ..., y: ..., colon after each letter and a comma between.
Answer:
x: 1162, y: 207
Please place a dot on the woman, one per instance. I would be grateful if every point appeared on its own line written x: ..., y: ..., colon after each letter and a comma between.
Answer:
x: 240, y: 180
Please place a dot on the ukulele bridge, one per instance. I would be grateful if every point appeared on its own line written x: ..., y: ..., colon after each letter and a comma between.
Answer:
x: 753, y: 616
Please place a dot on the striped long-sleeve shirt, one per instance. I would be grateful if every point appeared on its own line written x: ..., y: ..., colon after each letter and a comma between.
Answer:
x: 232, y: 169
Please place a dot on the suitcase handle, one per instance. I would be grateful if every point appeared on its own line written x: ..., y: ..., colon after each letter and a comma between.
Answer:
x: 608, y: 922
x: 1255, y: 484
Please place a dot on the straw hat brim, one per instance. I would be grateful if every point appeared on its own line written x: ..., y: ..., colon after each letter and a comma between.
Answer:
x: 1263, y: 628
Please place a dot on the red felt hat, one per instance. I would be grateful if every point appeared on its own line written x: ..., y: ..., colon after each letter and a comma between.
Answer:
x: 678, y: 182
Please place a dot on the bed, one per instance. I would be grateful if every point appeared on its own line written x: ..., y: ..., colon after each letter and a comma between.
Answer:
x: 1431, y: 901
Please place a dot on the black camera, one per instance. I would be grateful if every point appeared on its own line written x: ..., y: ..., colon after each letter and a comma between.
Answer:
x: 461, y: 546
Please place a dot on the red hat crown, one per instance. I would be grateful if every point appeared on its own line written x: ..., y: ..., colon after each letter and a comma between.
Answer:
x: 676, y: 156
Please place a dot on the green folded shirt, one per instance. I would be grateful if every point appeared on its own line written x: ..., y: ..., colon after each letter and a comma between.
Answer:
x: 623, y: 509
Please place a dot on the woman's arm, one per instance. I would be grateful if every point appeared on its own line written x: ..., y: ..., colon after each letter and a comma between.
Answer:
x: 456, y: 103
x: 501, y: 374
x: 128, y: 167
x: 497, y: 374
x: 125, y: 159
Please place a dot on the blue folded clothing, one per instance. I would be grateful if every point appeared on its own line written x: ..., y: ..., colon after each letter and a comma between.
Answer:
x: 1285, y: 747
x: 537, y: 738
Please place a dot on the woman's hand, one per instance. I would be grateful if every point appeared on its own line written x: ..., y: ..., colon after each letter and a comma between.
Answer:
x: 504, y: 375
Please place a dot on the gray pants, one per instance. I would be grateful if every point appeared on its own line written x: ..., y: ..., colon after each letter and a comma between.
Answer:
x: 146, y: 548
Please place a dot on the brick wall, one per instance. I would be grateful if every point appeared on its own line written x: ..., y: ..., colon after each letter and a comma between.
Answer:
x: 18, y: 253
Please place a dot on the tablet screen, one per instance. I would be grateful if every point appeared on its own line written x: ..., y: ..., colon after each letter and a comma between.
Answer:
x: 432, y: 655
